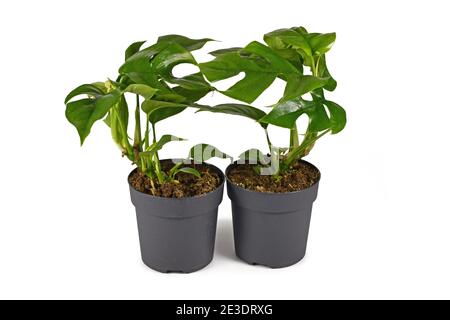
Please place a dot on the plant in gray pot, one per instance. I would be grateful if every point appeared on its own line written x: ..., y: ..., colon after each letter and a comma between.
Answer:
x: 272, y: 195
x: 176, y: 201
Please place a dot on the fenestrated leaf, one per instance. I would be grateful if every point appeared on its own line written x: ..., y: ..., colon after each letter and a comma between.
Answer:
x: 141, y: 89
x: 338, y: 116
x: 137, y: 67
x: 85, y: 112
x: 285, y: 114
x: 153, y: 65
x: 90, y: 89
x: 187, y: 43
x: 277, y: 62
x: 291, y: 38
x: 169, y: 57
x: 262, y: 65
x: 235, y: 109
x: 133, y: 48
x: 203, y: 152
x: 258, y: 75
x: 323, y: 72
x: 318, y: 117
x: 190, y: 171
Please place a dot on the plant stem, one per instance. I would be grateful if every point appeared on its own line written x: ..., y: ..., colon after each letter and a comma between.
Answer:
x: 295, y: 150
x: 315, y: 69
x: 304, y: 146
x: 147, y: 133
x: 137, y: 143
x: 268, y: 139
x: 137, y: 128
x: 157, y: 163
x: 293, y: 139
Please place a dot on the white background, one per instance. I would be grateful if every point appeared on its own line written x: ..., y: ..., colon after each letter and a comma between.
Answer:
x: 380, y: 226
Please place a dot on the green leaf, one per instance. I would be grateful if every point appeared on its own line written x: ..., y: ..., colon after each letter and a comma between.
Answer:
x: 338, y: 116
x: 153, y: 66
x: 190, y: 171
x: 235, y: 109
x: 167, y: 59
x: 291, y: 38
x: 191, y: 95
x: 219, y: 52
x: 166, y: 139
x: 133, y: 49
x: 150, y: 151
x: 118, y: 122
x: 285, y: 114
x: 203, y: 152
x: 299, y: 85
x: 185, y: 42
x: 323, y: 72
x: 141, y: 89
x: 164, y: 113
x: 258, y: 75
x: 194, y: 82
x: 85, y: 112
x: 150, y: 105
x: 107, y: 120
x: 322, y: 43
x: 278, y: 63
x: 261, y: 66
x: 137, y: 67
x: 91, y: 89
x: 161, y: 107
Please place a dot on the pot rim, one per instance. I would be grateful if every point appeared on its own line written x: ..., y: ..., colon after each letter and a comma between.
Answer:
x: 273, y: 193
x: 222, y: 175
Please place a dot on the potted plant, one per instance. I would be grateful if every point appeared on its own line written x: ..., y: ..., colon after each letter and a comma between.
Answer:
x: 272, y: 196
x: 176, y: 201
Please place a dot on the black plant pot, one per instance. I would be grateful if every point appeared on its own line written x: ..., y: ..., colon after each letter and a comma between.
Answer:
x: 177, y: 234
x: 271, y: 229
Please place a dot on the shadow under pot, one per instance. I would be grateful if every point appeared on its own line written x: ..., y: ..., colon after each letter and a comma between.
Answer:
x: 271, y: 229
x: 177, y: 234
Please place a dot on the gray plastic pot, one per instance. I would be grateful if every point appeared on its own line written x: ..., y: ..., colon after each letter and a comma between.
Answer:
x: 177, y: 234
x: 271, y: 229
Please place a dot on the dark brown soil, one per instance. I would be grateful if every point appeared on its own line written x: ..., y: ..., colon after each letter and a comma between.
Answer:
x: 188, y: 185
x: 299, y: 177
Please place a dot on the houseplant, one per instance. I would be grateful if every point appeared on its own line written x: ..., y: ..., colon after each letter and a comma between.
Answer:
x: 272, y: 203
x: 176, y: 201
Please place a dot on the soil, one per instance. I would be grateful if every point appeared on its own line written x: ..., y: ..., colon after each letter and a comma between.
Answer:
x: 188, y: 185
x: 300, y: 176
